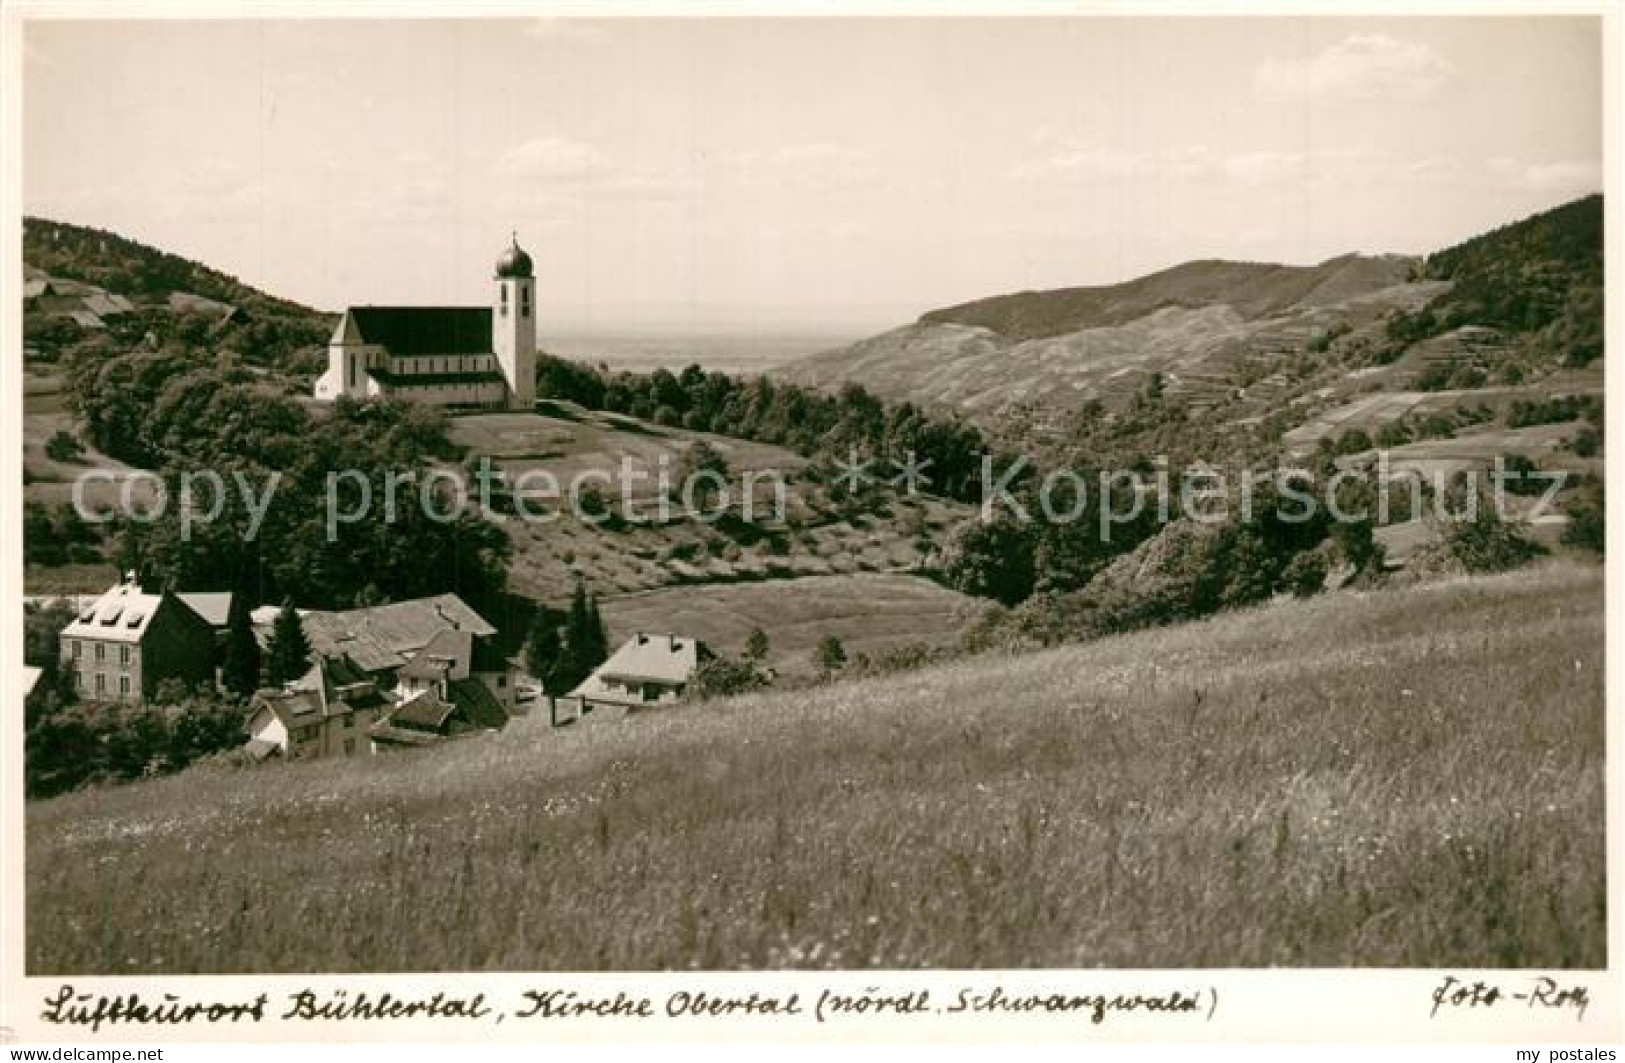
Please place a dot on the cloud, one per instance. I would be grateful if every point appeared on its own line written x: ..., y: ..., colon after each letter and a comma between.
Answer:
x: 1361, y: 67
x: 551, y: 159
x: 1570, y: 175
x: 1062, y: 166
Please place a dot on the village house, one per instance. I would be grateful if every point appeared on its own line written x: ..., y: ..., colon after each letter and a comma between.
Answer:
x: 482, y: 356
x: 404, y: 674
x: 324, y: 713
x: 647, y: 670
x: 430, y: 711
x: 87, y: 305
x: 121, y: 646
x: 381, y: 639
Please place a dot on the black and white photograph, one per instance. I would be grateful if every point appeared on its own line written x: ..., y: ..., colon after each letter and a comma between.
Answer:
x: 785, y: 494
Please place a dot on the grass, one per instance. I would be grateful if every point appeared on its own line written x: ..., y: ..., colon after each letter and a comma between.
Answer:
x: 868, y: 613
x: 44, y: 414
x: 1403, y: 778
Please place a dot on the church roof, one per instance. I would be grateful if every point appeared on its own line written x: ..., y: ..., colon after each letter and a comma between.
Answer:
x: 419, y: 329
x: 514, y: 262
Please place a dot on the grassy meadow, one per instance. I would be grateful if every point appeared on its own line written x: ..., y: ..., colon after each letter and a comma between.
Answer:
x: 1407, y: 778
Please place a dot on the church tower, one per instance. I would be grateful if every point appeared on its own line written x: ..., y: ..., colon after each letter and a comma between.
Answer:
x: 513, y: 325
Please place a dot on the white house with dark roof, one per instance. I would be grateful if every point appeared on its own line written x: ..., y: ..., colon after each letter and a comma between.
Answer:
x: 444, y: 355
x: 122, y: 645
x: 327, y: 712
x: 647, y: 670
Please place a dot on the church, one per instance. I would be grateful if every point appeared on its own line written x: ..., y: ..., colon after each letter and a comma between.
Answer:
x: 474, y: 356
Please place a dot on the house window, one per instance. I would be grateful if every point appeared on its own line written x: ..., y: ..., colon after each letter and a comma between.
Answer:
x: 524, y: 302
x: 101, y: 683
x: 79, y: 681
x: 74, y: 647
x: 124, y: 655
x: 101, y: 651
x: 502, y: 681
x: 349, y: 721
x: 349, y: 747
x: 123, y: 684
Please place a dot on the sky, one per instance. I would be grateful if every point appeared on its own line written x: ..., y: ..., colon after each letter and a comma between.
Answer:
x: 761, y: 174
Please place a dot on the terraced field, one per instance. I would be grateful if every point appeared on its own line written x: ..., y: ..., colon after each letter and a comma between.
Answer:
x: 869, y: 613
x: 811, y: 535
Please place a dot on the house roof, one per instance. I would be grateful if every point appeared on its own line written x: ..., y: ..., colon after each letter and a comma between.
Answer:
x: 122, y: 614
x: 455, y: 650
x: 451, y: 650
x: 334, y: 686
x: 260, y: 748
x: 418, y: 329
x: 107, y: 304
x: 387, y: 733
x: 212, y: 606
x: 194, y: 303
x: 476, y: 704
x: 427, y: 711
x: 30, y: 678
x: 646, y: 658
x: 464, y: 701
x: 384, y: 637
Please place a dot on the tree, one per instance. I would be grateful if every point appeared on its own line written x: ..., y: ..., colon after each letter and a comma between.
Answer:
x: 596, y: 642
x: 584, y: 644
x: 1478, y: 537
x: 1587, y: 524
x: 829, y: 656
x: 756, y: 645
x: 990, y: 559
x: 543, y: 649
x: 722, y: 677
x: 64, y: 446
x: 240, y: 667
x: 701, y: 472
x: 288, y: 651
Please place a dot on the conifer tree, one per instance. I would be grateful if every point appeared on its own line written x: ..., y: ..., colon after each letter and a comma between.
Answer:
x: 288, y: 651
x: 240, y: 667
x: 544, y: 652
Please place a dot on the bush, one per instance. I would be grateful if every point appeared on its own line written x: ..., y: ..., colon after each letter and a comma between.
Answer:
x: 1520, y: 475
x: 64, y: 446
x: 724, y: 677
x: 1305, y: 574
x: 1483, y: 542
x: 1587, y: 524
x: 990, y: 559
x: 1586, y: 443
x: 829, y: 656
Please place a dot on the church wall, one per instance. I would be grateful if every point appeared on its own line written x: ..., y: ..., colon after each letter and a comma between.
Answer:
x: 452, y: 394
